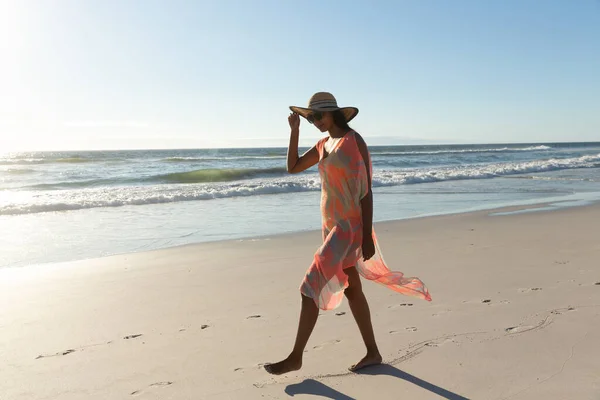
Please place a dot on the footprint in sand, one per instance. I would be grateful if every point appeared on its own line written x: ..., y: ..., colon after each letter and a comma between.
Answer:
x: 401, y: 305
x: 517, y: 329
x: 439, y: 342
x: 259, y: 365
x: 560, y: 311
x: 528, y: 328
x: 61, y: 353
x: 69, y: 351
x: 527, y: 290
x: 442, y: 312
x: 541, y: 325
x: 415, y: 349
x: 156, y: 384
x: 328, y: 343
x: 409, y: 329
x: 486, y: 301
x: 133, y: 336
x: 161, y: 384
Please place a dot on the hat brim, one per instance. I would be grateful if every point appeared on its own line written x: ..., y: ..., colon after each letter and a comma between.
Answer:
x: 349, y: 112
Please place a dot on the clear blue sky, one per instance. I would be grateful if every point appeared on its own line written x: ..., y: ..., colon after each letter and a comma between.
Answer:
x: 147, y: 74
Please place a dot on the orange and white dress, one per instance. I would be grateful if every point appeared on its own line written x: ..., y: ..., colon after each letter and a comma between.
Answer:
x: 344, y: 182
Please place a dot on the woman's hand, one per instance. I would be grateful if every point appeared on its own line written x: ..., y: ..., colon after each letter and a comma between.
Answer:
x: 294, y: 120
x: 368, y: 247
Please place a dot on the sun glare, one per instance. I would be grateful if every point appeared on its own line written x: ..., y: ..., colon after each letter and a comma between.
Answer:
x: 12, y: 45
x: 12, y: 27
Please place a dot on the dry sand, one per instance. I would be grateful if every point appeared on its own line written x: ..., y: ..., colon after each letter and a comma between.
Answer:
x: 515, y: 315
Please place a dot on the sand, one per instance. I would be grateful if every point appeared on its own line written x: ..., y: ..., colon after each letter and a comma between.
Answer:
x: 515, y: 315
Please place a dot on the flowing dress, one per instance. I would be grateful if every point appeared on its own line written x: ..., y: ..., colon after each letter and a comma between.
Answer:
x: 344, y: 182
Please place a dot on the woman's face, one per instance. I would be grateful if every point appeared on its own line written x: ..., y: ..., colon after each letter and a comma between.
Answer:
x: 322, y: 120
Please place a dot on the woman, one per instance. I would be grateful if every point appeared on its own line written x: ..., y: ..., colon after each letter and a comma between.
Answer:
x: 349, y: 247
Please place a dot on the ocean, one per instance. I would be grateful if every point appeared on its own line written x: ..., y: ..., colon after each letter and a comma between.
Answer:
x: 62, y: 206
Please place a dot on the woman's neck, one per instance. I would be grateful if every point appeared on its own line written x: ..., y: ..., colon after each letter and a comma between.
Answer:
x: 336, y: 132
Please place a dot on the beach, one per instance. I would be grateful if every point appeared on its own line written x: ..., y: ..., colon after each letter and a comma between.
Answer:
x: 515, y: 315
x: 172, y: 175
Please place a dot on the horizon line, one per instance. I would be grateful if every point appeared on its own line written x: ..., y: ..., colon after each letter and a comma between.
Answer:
x: 300, y: 146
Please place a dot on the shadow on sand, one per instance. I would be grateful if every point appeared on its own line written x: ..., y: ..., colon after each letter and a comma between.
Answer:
x: 316, y: 388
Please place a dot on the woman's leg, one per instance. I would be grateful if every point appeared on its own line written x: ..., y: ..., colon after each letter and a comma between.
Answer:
x: 362, y: 316
x: 308, y: 318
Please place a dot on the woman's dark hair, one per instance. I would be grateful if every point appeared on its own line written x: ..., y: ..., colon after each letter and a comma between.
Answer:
x: 340, y: 120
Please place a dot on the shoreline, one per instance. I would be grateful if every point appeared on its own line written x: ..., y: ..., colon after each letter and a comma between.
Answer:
x: 580, y: 199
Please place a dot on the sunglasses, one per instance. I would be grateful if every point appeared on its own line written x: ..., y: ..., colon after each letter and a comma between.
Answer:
x: 314, y: 116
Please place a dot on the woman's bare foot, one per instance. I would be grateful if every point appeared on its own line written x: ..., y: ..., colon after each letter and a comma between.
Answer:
x: 369, y: 359
x: 283, y: 367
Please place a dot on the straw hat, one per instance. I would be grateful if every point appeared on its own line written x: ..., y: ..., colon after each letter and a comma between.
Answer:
x: 323, y: 101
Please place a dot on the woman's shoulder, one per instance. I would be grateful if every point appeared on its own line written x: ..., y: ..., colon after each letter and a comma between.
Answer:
x: 320, y: 144
x: 357, y: 136
x: 323, y: 139
x: 359, y: 140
